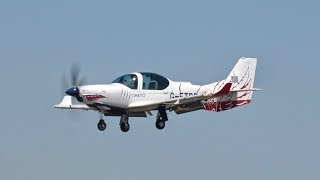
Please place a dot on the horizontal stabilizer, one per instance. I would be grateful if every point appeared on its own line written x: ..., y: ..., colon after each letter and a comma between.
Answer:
x: 244, y: 90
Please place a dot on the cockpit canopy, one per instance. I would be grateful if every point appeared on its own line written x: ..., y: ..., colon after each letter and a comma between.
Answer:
x: 150, y: 81
x: 129, y: 80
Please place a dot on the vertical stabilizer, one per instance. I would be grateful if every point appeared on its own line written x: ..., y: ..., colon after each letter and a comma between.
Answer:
x: 242, y: 79
x: 243, y: 73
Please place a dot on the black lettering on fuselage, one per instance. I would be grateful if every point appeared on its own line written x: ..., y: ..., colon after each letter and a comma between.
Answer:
x: 139, y: 95
x: 182, y: 95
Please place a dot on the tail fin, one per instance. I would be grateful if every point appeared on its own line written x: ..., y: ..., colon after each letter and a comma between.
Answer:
x: 242, y: 79
x: 243, y: 73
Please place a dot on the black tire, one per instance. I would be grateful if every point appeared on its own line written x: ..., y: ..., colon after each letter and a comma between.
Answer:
x: 125, y: 127
x: 160, y: 124
x: 102, y: 125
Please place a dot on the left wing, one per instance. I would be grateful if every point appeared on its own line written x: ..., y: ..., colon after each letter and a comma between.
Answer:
x: 66, y: 103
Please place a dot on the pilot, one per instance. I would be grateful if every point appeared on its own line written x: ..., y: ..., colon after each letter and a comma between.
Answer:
x: 131, y: 81
x: 134, y: 82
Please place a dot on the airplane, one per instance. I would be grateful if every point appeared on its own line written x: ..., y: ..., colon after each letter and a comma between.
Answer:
x: 137, y: 94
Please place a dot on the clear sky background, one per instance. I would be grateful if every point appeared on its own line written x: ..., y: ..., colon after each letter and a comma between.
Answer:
x: 275, y: 137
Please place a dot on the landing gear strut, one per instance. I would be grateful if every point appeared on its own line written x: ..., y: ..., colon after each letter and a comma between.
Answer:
x: 101, y: 125
x: 161, y: 118
x: 124, y: 123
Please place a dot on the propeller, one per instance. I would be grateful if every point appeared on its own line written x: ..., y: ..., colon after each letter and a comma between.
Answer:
x: 75, y: 76
x: 74, y: 82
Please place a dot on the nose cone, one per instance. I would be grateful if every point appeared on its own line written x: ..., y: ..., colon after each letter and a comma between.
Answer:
x: 72, y: 91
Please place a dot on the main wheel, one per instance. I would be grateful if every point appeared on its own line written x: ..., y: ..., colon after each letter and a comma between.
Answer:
x: 102, y: 125
x: 160, y: 124
x: 125, y: 127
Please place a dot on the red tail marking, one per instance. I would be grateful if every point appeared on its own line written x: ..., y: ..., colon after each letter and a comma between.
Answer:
x: 222, y: 106
x: 224, y: 91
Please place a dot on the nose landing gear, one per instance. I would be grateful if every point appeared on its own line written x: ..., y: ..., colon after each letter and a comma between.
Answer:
x: 124, y: 123
x: 101, y: 124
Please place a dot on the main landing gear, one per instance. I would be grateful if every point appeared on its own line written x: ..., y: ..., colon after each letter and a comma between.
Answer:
x: 161, y: 118
x: 101, y: 124
x: 124, y: 121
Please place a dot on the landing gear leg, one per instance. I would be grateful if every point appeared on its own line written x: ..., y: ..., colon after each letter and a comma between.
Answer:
x: 161, y: 118
x: 101, y: 125
x: 124, y: 123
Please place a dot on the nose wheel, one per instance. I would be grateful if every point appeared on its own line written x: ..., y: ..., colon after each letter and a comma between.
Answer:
x: 124, y: 123
x: 102, y: 125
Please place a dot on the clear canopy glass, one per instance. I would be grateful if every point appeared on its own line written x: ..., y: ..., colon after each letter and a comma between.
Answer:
x: 129, y: 80
x: 152, y: 81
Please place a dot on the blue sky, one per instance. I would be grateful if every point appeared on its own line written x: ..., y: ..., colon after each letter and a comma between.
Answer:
x: 275, y: 137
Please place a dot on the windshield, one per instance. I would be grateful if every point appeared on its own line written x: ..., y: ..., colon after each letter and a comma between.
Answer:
x: 129, y: 80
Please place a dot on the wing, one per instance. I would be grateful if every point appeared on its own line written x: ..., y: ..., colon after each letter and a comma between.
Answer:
x: 151, y: 105
x: 66, y: 103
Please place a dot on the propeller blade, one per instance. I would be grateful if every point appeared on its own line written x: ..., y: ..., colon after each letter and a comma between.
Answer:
x: 82, y: 81
x: 73, y: 81
x: 75, y: 71
x: 64, y: 84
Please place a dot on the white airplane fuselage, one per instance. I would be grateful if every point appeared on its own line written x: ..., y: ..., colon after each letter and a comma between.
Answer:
x: 119, y: 95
